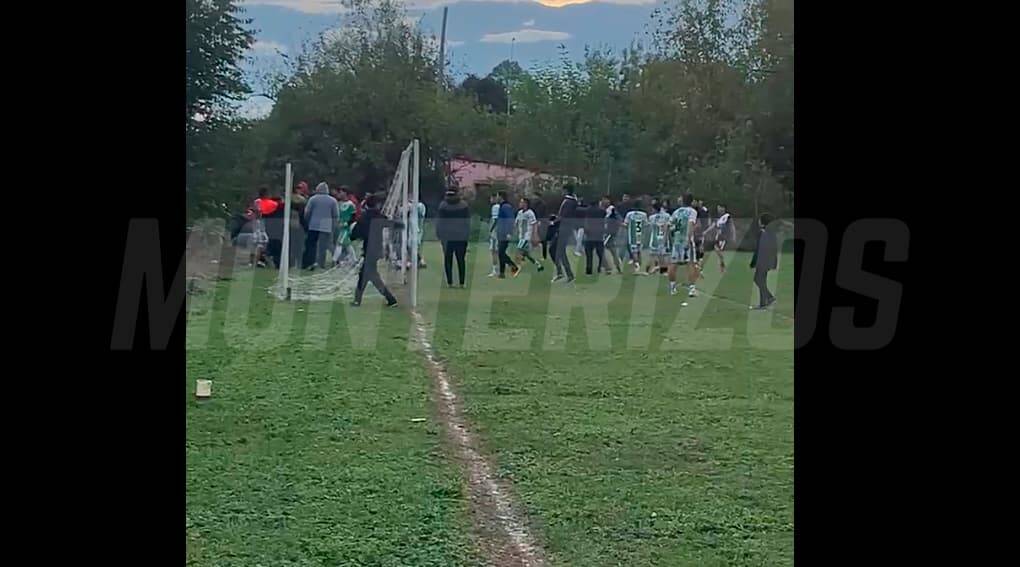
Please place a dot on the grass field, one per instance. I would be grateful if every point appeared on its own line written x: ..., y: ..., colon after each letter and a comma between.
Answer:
x: 633, y: 431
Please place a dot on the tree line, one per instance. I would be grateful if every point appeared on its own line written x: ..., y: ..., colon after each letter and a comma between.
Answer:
x: 704, y: 105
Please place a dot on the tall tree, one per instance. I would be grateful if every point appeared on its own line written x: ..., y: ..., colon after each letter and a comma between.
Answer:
x: 217, y: 39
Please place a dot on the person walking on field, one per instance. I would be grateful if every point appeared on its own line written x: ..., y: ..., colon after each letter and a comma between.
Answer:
x: 369, y: 231
x: 765, y: 259
x: 453, y: 231
x: 565, y: 225
x: 504, y: 232
x: 321, y: 214
x: 594, y: 237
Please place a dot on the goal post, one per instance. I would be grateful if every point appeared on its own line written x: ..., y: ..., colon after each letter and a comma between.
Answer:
x: 400, y: 246
x: 285, y: 253
x: 415, y: 229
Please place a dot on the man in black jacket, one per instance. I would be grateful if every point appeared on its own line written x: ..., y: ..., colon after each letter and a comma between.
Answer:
x: 594, y: 234
x: 453, y: 231
x: 504, y: 232
x: 566, y: 222
x: 764, y: 259
x: 369, y: 231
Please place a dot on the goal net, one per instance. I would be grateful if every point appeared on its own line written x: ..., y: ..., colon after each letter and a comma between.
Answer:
x: 400, y: 246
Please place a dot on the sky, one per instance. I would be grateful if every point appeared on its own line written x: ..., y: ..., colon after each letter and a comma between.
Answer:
x: 479, y: 33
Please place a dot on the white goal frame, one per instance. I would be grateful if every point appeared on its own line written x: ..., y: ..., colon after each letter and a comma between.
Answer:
x: 401, y: 201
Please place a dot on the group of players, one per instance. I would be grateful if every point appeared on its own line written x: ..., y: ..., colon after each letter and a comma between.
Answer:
x: 667, y: 237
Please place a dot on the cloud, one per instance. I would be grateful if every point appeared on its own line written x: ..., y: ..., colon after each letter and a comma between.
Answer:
x: 528, y: 23
x: 530, y: 35
x: 306, y: 6
x: 263, y: 46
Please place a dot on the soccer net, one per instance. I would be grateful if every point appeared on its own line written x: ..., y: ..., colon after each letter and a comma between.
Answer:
x: 399, y: 246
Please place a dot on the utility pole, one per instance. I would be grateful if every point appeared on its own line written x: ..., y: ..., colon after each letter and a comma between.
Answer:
x: 506, y: 147
x: 442, y: 52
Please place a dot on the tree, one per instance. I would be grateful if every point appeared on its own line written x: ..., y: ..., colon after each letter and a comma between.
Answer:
x: 490, y: 94
x: 217, y: 40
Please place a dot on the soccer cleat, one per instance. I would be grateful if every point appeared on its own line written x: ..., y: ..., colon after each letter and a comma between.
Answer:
x: 355, y: 304
x: 492, y: 275
x: 556, y: 278
x: 541, y: 267
x: 391, y: 304
x: 692, y: 291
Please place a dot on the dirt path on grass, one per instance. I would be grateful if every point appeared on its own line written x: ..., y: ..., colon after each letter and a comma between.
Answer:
x: 500, y: 530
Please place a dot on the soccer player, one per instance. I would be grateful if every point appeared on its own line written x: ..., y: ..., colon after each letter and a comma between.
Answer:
x: 421, y: 210
x: 723, y: 230
x: 634, y: 223
x: 683, y: 220
x: 493, y: 241
x: 658, y: 237
x: 527, y: 234
x: 703, y: 223
x: 344, y: 249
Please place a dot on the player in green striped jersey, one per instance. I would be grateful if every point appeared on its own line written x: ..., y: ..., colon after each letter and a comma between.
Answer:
x: 634, y: 223
x: 683, y: 252
x: 658, y: 237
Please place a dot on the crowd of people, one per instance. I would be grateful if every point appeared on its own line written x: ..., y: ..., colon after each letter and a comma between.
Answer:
x: 653, y: 238
x: 658, y: 237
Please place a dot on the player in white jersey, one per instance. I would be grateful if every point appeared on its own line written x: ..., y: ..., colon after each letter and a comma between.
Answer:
x: 527, y: 234
x: 493, y: 241
x: 683, y: 221
x: 658, y: 238
x: 723, y: 231
x: 421, y: 211
x: 634, y: 223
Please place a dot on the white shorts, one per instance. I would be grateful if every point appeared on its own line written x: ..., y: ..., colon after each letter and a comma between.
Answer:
x: 682, y: 253
x: 493, y: 243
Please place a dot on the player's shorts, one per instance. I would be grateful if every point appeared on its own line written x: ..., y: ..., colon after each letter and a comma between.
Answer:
x: 720, y: 244
x: 344, y: 237
x: 524, y: 245
x: 657, y: 249
x: 260, y: 237
x: 682, y: 253
x: 636, y: 248
x: 493, y: 244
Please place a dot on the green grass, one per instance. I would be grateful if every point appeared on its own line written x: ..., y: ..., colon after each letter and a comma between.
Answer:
x: 640, y: 432
x: 306, y: 453
x: 634, y: 431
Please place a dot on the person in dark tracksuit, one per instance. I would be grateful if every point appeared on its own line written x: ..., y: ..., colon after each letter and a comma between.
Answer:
x: 594, y: 237
x: 453, y: 231
x: 764, y: 259
x: 566, y: 223
x: 369, y: 230
x: 504, y: 233
x: 549, y: 240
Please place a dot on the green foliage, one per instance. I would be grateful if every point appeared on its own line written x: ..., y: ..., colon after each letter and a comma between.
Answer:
x: 216, y: 40
x: 706, y: 108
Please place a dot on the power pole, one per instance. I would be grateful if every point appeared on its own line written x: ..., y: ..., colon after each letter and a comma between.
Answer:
x: 506, y: 147
x: 442, y: 52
